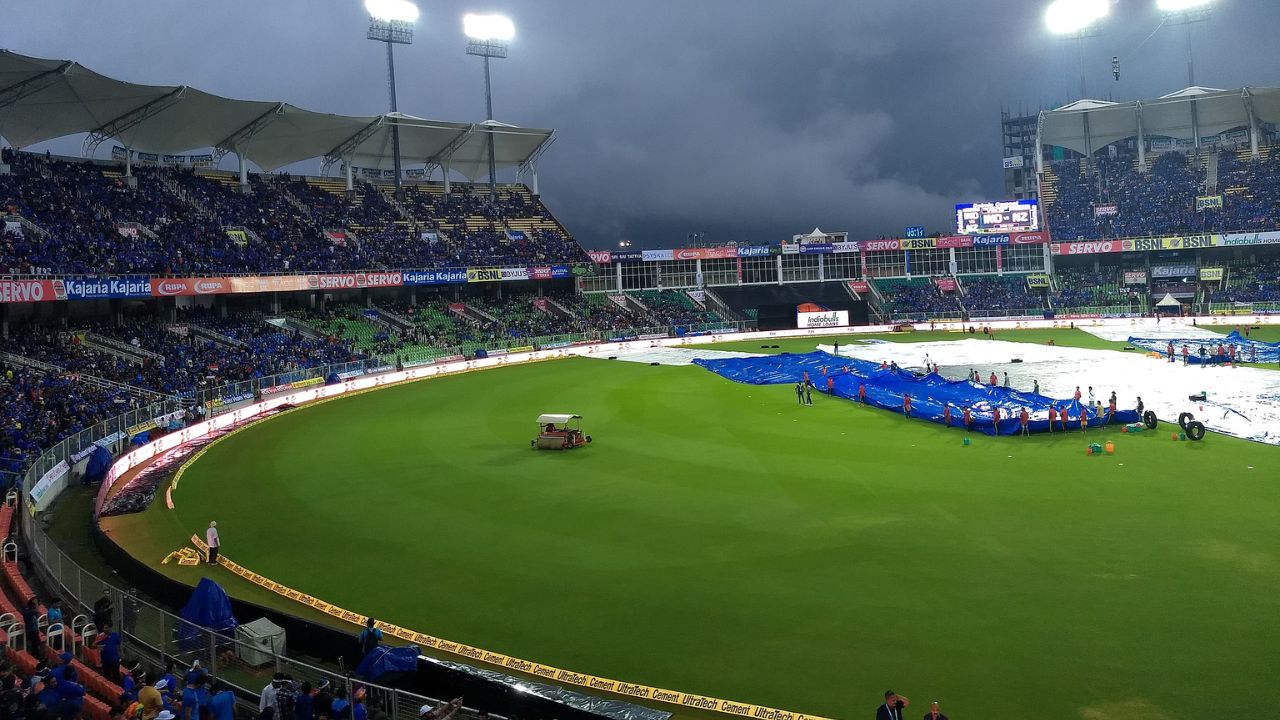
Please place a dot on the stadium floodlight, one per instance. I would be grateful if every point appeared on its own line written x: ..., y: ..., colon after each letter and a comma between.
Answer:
x: 1073, y: 17
x: 1177, y: 6
x: 391, y: 22
x: 488, y: 37
x: 488, y: 27
x: 397, y: 10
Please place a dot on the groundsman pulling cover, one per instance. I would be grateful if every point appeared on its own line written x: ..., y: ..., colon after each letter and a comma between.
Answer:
x: 930, y: 394
x: 1254, y: 351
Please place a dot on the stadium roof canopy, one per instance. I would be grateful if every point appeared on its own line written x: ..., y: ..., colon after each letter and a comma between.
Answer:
x: 43, y: 99
x: 1190, y: 114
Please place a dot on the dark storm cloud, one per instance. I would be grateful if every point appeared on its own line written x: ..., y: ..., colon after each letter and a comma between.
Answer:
x: 745, y: 120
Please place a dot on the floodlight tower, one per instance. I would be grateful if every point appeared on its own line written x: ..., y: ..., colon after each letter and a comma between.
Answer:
x: 1078, y: 20
x: 489, y: 37
x: 1186, y: 13
x: 391, y: 22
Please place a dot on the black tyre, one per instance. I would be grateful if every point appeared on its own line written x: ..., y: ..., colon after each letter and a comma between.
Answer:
x: 588, y: 438
x: 1195, y: 430
x: 1149, y: 419
x: 1185, y: 418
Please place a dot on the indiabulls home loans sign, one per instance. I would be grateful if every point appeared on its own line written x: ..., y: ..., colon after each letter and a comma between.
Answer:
x: 824, y: 319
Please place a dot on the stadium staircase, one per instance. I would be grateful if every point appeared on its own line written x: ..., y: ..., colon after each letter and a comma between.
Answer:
x: 1211, y: 174
x: 209, y: 333
x: 27, y: 225
x: 876, y: 302
x: 197, y: 205
x: 349, y: 323
x: 122, y: 350
x: 473, y: 312
x: 282, y: 187
x: 393, y: 319
x: 557, y: 309
x: 40, y: 366
x: 721, y: 308
x: 294, y: 324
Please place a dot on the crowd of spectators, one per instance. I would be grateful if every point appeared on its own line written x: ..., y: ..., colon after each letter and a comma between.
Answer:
x: 1080, y: 288
x: 676, y: 308
x: 1251, y: 192
x: 1110, y: 198
x: 178, y: 362
x: 919, y: 299
x: 43, y: 408
x: 517, y: 316
x: 999, y: 295
x: 1250, y: 282
x: 182, y: 218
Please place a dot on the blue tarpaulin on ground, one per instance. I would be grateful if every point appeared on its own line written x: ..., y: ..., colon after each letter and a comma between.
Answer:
x: 99, y: 463
x: 930, y: 394
x: 382, y: 660
x: 208, y: 609
x: 1246, y: 350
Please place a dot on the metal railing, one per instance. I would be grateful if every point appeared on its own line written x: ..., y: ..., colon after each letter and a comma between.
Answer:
x: 155, y: 637
x: 1014, y: 313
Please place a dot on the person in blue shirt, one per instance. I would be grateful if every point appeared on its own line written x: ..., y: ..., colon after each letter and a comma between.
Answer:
x: 63, y: 699
x: 340, y: 709
x: 170, y: 690
x: 194, y: 697
x: 222, y: 703
x: 31, y: 623
x: 64, y: 670
x: 358, y: 710
x: 303, y: 705
x: 110, y: 646
x: 370, y: 637
x: 55, y: 611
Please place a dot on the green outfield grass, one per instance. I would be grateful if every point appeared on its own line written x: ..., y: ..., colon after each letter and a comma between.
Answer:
x: 716, y: 538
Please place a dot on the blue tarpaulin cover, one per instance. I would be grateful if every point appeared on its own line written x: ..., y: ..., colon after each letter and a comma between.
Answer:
x: 930, y: 394
x: 382, y: 660
x: 208, y: 609
x: 1246, y: 350
x: 99, y: 463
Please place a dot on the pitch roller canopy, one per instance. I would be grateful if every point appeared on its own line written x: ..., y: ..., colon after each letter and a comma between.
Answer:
x: 557, y: 418
x: 43, y: 99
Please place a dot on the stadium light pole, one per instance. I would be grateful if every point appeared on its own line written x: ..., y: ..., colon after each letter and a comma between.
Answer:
x: 489, y: 37
x: 1186, y: 13
x: 391, y: 22
x: 1078, y: 20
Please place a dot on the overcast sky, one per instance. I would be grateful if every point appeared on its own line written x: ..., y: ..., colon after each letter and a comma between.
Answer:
x: 749, y: 121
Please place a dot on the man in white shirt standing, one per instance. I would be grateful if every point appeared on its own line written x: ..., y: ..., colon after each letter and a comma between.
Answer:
x: 211, y: 537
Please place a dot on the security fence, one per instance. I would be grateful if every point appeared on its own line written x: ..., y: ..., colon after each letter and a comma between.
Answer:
x: 155, y: 637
